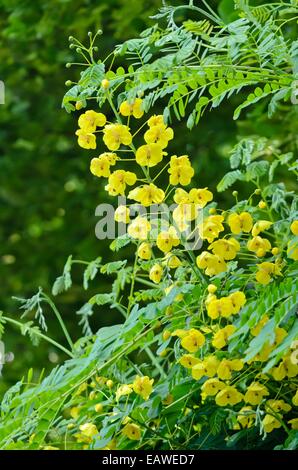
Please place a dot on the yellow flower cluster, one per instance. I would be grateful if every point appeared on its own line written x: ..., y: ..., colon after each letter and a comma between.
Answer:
x: 228, y: 238
x: 225, y: 306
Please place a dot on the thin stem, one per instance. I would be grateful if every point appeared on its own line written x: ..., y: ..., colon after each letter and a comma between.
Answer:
x: 40, y: 335
x: 155, y: 362
x: 59, y: 318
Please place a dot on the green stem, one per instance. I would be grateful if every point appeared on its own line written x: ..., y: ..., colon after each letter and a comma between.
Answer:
x: 155, y: 362
x: 59, y: 318
x: 40, y: 335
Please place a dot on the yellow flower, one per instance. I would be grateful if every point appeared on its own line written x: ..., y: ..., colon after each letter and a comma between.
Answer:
x: 279, y: 372
x: 88, y: 429
x: 132, y: 109
x: 259, y: 246
x: 220, y: 308
x: 155, y: 273
x: 265, y: 271
x: 181, y: 171
x: 100, y: 166
x: 292, y: 251
x: 225, y: 248
x: 277, y: 406
x: 294, y: 227
x: 180, y: 333
x: 240, y: 222
x: 260, y: 226
x: 259, y: 326
x: 144, y: 251
x: 228, y: 396
x: 149, y: 155
x: 226, y: 367
x: 86, y: 140
x: 118, y: 181
x: 212, y: 386
x: 255, y: 393
x: 122, y: 214
x: 224, y: 371
x: 212, y: 264
x: 294, y: 423
x: 90, y: 120
x: 270, y: 423
x: 207, y: 367
x: 220, y: 338
x: 143, y: 386
x: 159, y: 134
x: 167, y: 239
x: 155, y: 120
x: 184, y: 213
x: 123, y: 390
x: 211, y: 227
x: 246, y: 417
x: 193, y: 340
x: 139, y: 228
x: 198, y: 196
x: 237, y: 299
x: 188, y: 361
x: 182, y: 197
x: 116, y: 134
x: 132, y: 431
x: 171, y: 261
x: 147, y: 194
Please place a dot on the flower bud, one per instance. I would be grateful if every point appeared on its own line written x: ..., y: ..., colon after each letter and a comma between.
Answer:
x: 105, y: 84
x: 262, y: 205
x: 212, y: 289
x: 166, y: 335
x: 79, y: 105
x: 110, y: 384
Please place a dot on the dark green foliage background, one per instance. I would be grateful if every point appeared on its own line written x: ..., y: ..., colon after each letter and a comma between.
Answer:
x: 47, y: 196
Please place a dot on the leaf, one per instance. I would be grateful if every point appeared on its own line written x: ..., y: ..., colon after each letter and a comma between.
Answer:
x: 92, y: 76
x: 70, y: 96
x: 229, y: 179
x: 112, y: 267
x: 120, y: 242
x: 101, y: 299
x: 91, y: 271
x: 253, y: 98
x: 64, y: 282
x: 247, y: 150
x: 256, y: 169
x: 281, y: 94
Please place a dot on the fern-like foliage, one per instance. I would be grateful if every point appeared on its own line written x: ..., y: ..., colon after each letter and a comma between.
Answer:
x: 196, y: 65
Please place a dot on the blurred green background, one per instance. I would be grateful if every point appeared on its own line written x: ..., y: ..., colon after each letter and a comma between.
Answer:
x: 47, y: 194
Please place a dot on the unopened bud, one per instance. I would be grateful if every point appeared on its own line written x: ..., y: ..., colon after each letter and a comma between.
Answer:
x: 105, y: 84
